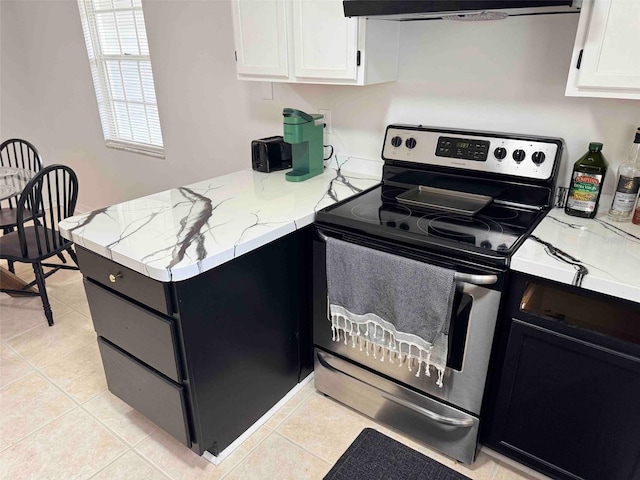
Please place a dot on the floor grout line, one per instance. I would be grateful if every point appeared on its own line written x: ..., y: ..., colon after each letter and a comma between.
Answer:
x: 116, y: 434
x: 293, y: 442
x: 108, y: 464
x: 151, y: 464
x: 44, y: 425
x: 284, y: 419
x: 244, y: 457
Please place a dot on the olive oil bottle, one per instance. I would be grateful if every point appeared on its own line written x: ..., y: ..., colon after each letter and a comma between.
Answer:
x: 586, y: 183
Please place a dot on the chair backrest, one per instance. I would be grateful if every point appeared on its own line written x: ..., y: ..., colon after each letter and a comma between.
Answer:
x: 49, y: 197
x: 20, y: 154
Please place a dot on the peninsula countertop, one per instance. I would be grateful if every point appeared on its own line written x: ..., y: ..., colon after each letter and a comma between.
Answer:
x: 179, y: 233
x: 609, y: 250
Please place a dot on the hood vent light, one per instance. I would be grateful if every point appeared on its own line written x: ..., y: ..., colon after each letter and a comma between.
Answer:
x: 476, y: 17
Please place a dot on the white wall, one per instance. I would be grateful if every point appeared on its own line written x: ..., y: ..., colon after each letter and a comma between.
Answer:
x: 505, y: 76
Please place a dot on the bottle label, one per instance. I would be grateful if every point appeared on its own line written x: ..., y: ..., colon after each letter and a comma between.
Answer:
x: 625, y: 196
x: 584, y: 191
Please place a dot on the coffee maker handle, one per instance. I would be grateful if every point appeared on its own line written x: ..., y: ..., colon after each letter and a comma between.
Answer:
x: 292, y: 112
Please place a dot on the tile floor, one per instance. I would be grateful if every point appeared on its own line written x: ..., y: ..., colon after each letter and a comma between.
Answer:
x: 58, y: 420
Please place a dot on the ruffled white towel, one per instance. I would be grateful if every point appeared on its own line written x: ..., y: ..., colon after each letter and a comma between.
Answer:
x: 390, y: 305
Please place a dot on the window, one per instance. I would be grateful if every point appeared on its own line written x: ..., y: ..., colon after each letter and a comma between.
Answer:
x: 116, y: 39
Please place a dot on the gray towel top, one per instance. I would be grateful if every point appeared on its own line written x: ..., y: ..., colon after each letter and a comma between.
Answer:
x: 415, y: 297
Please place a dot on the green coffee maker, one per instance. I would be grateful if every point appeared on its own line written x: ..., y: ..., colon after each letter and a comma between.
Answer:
x: 305, y: 134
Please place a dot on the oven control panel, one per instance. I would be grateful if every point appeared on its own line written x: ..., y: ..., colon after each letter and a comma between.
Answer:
x: 508, y: 154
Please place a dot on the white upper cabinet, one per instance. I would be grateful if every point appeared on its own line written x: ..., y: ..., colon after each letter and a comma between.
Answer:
x: 606, y: 56
x: 311, y: 41
x: 261, y: 50
x: 324, y: 41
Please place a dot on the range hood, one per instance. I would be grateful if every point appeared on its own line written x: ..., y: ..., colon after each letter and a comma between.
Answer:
x: 407, y: 10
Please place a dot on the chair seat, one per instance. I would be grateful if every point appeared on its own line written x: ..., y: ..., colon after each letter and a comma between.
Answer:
x: 8, y: 218
x: 10, y: 245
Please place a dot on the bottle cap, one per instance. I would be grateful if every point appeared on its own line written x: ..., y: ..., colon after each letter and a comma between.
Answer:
x: 595, y: 147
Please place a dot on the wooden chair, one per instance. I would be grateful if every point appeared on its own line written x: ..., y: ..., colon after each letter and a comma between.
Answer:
x: 19, y: 154
x: 53, y: 192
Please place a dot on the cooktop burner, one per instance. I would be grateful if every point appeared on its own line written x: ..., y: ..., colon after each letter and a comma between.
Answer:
x: 495, y: 227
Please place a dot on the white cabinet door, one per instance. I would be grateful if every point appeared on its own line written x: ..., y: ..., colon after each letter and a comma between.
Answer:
x: 324, y: 41
x: 608, y: 42
x: 260, y: 29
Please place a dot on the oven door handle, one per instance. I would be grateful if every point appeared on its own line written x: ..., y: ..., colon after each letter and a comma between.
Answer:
x: 436, y: 417
x: 455, y: 422
x: 476, y: 279
x: 460, y: 277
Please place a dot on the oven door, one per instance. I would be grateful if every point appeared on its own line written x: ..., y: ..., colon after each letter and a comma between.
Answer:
x: 471, y: 333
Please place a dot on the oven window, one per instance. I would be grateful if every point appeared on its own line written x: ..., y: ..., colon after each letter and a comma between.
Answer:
x: 458, y: 328
x: 595, y: 314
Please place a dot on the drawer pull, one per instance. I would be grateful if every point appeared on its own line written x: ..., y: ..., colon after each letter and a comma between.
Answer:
x: 113, y: 278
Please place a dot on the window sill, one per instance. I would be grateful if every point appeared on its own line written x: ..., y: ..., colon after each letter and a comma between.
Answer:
x: 136, y: 148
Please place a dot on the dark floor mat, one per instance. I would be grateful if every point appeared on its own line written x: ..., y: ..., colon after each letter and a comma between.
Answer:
x: 374, y: 456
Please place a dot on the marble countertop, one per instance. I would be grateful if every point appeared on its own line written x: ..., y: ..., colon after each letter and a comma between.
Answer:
x: 179, y: 233
x: 609, y: 250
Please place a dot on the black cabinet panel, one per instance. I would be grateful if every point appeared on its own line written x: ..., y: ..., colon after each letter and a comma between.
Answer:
x: 571, y: 404
x: 136, y: 330
x: 157, y: 398
x: 564, y: 395
x: 241, y: 324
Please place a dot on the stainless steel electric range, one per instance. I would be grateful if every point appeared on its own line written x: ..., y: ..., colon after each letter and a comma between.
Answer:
x: 463, y: 200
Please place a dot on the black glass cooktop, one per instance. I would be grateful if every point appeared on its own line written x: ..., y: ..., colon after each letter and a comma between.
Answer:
x: 495, y: 228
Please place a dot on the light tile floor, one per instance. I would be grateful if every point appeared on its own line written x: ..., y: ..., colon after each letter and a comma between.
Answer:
x: 58, y: 420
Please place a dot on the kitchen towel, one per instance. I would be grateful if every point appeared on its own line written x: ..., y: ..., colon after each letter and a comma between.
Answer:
x: 390, y: 305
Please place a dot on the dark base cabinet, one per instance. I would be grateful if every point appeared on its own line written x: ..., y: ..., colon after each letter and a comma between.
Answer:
x: 566, y: 399
x: 206, y: 357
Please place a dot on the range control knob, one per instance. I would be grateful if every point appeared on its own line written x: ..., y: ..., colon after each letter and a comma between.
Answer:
x: 396, y: 141
x: 519, y: 155
x: 485, y: 244
x: 500, y: 153
x: 502, y: 247
x: 410, y: 143
x: 538, y: 157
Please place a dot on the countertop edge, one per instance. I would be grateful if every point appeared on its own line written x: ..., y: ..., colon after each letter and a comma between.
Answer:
x: 301, y: 216
x: 610, y: 251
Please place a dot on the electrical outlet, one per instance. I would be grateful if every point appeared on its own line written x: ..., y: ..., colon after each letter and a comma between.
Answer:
x: 327, y: 120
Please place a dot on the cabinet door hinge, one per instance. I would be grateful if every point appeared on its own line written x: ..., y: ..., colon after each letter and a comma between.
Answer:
x: 579, y: 59
x: 358, y: 58
x: 236, y: 54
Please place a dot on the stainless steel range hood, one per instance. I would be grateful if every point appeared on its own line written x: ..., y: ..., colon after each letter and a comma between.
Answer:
x: 408, y: 10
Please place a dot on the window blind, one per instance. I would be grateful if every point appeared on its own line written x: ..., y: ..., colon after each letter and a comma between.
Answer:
x: 116, y: 39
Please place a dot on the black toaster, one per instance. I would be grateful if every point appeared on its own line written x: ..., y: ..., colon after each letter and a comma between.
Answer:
x: 270, y: 154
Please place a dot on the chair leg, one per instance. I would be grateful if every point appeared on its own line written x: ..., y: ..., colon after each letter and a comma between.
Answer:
x: 9, y: 262
x: 61, y: 257
x: 37, y: 269
x: 73, y: 256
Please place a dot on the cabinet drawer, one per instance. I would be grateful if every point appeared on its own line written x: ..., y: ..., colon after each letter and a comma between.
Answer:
x: 157, y: 398
x: 128, y: 282
x: 136, y: 330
